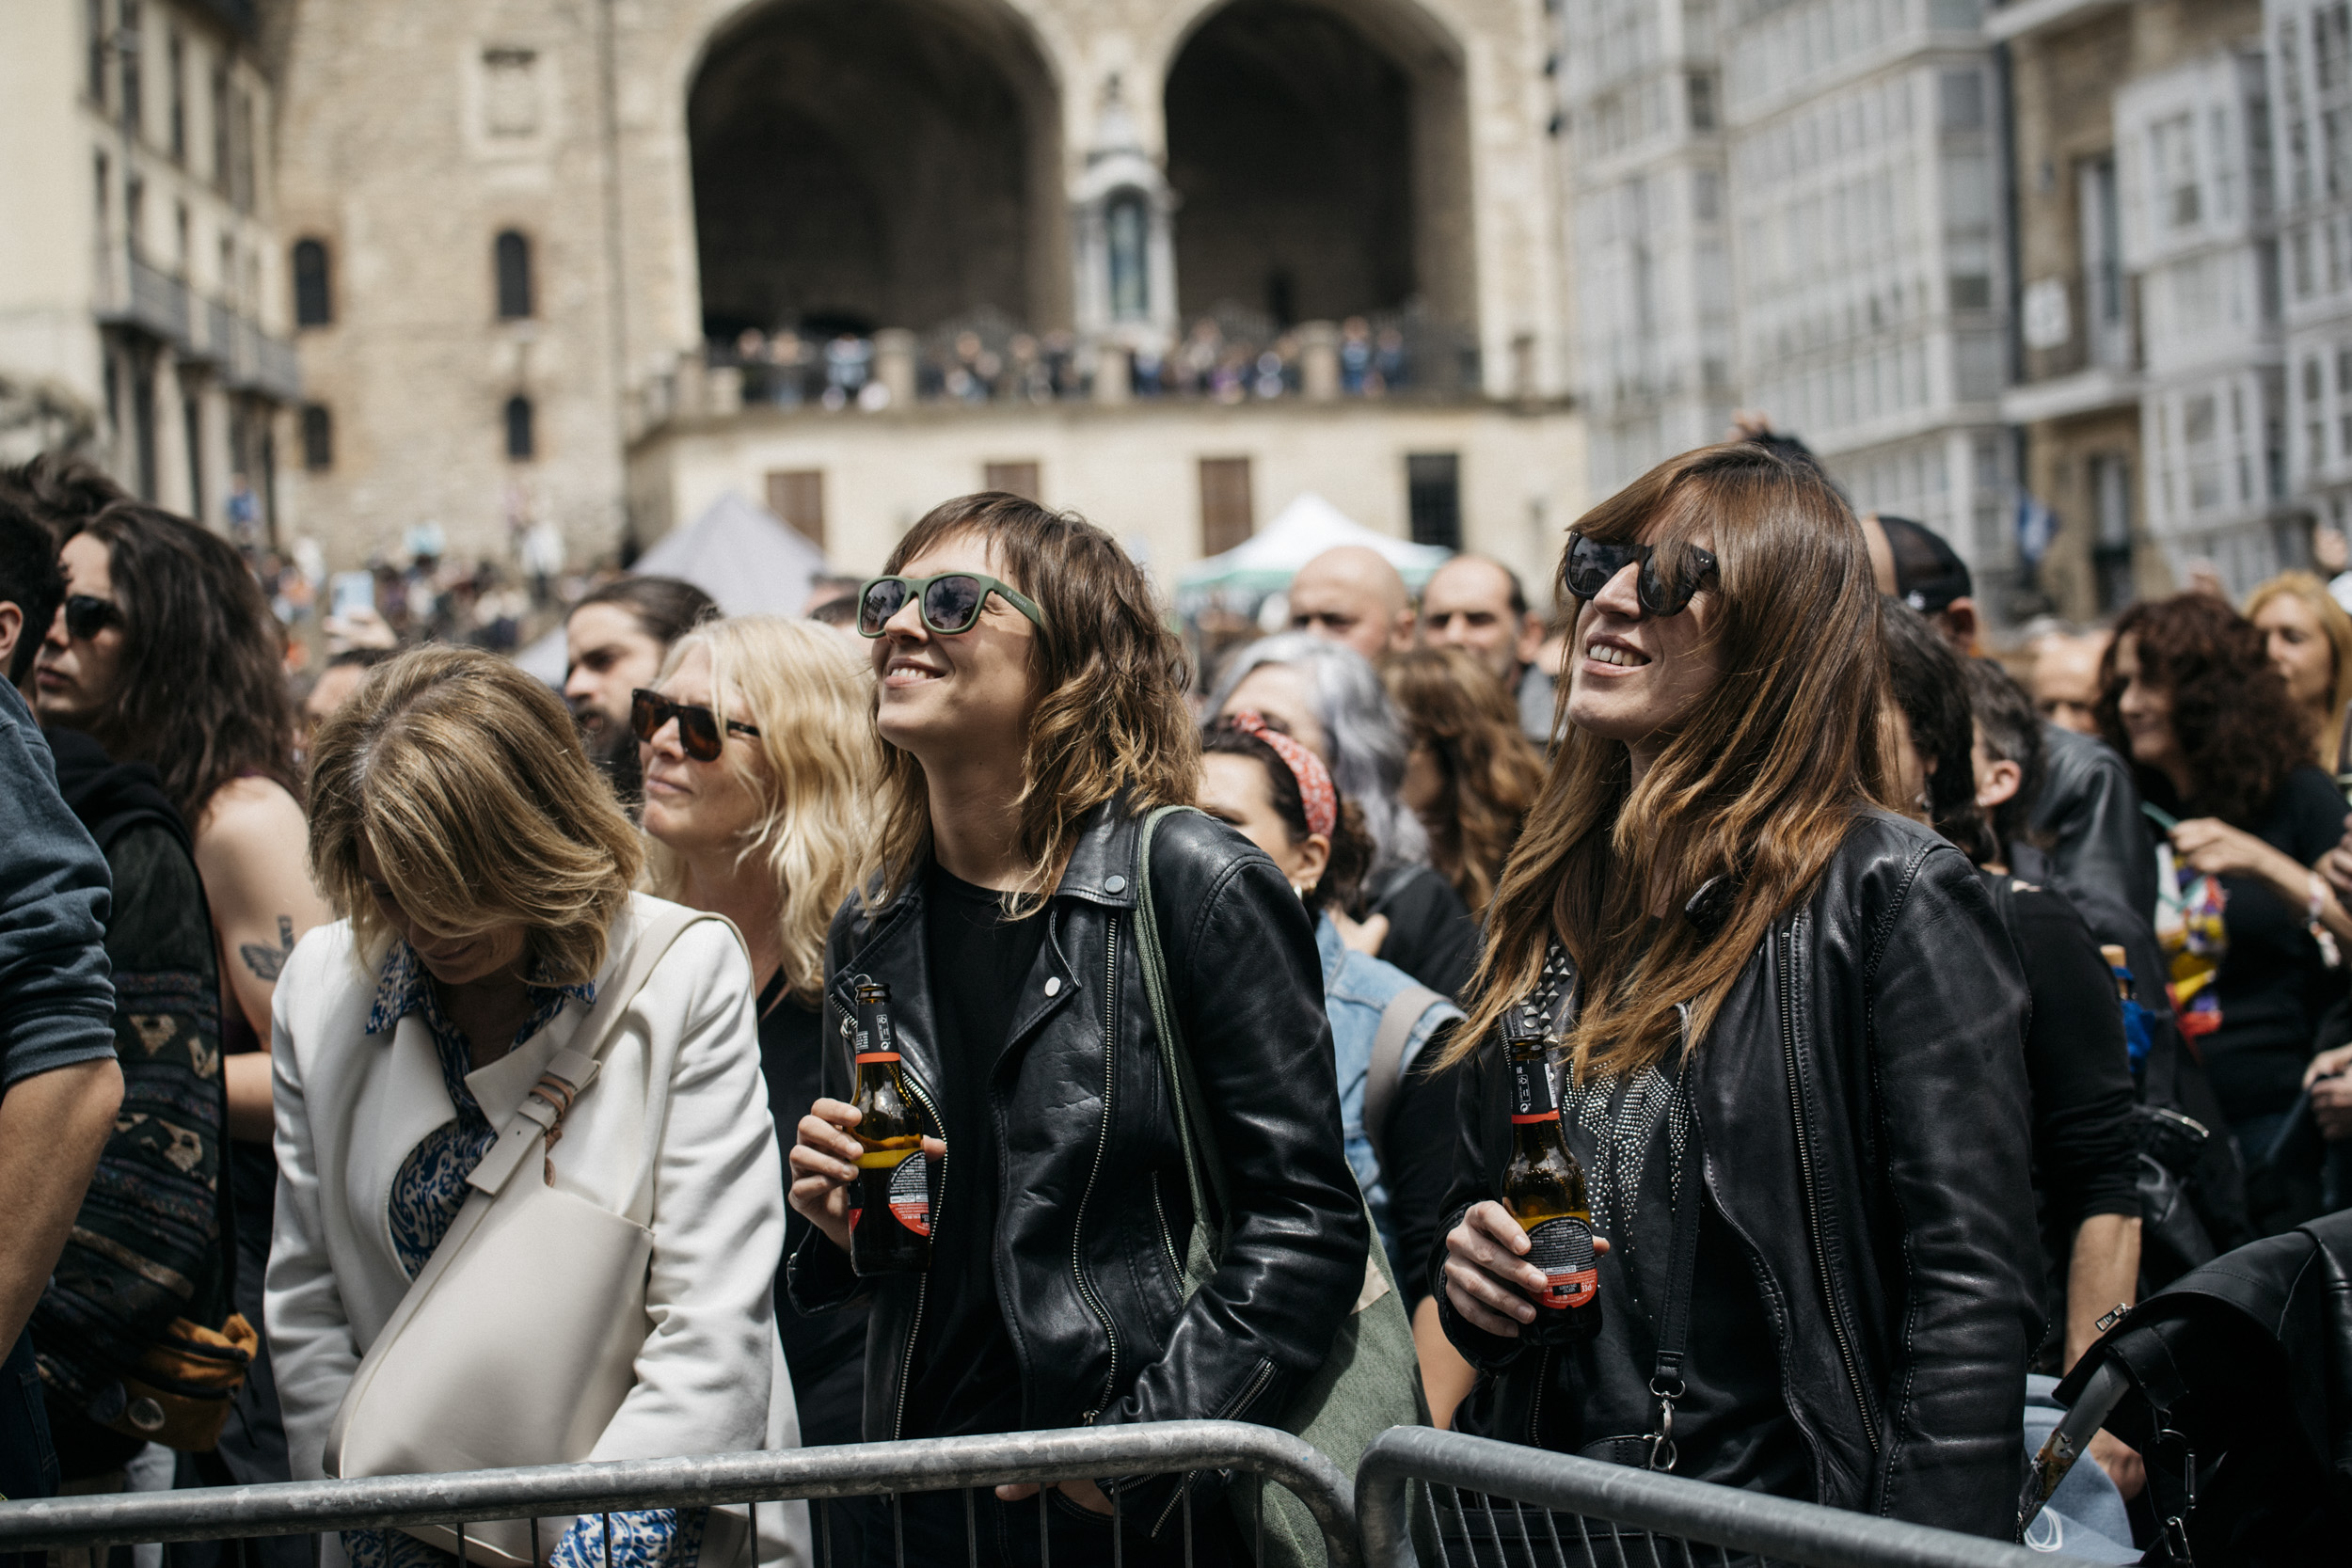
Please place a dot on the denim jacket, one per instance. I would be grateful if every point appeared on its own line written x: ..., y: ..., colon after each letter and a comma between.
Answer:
x: 1356, y: 991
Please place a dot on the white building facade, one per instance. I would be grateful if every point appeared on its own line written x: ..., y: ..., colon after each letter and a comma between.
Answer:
x: 1794, y: 206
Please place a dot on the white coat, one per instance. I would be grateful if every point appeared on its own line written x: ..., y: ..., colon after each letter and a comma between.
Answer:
x: 674, y: 1133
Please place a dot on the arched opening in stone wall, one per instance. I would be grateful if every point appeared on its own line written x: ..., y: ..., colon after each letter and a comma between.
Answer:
x: 866, y: 164
x: 1321, y: 153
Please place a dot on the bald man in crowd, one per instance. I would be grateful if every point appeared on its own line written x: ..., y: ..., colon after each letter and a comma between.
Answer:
x: 1351, y: 595
x: 1475, y: 603
x: 2066, y: 680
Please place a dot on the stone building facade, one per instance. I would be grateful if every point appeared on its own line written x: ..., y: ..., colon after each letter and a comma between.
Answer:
x: 143, y: 304
x: 596, y: 262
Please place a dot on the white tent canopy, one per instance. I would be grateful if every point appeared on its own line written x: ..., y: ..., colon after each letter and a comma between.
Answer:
x: 736, y: 551
x: 1267, y: 562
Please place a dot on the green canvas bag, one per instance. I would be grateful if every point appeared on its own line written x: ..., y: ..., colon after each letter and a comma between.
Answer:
x: 1371, y: 1379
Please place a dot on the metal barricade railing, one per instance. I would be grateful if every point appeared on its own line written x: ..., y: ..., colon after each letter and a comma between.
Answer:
x: 1484, y: 1504
x: 889, y: 1470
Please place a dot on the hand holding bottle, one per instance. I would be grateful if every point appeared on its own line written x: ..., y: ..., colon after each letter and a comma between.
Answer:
x: 1488, y: 1275
x: 825, y: 1169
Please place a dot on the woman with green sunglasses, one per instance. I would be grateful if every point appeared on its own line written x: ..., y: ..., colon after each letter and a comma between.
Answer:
x: 1030, y: 702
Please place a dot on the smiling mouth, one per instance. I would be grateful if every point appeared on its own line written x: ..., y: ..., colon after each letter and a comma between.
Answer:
x: 902, y: 673
x: 1610, y: 653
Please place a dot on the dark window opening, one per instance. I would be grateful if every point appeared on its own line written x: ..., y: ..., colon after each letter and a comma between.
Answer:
x: 796, y: 496
x: 1433, y: 497
x: 94, y: 15
x: 192, y: 429
x: 1702, y: 88
x: 520, y: 443
x: 220, y: 128
x: 318, y: 438
x: 1226, y: 518
x: 314, y: 299
x: 133, y: 87
x: 176, y: 56
x: 1016, y: 479
x: 513, y: 276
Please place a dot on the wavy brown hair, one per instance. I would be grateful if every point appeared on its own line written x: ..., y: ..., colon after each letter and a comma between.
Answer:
x: 200, y: 694
x: 1761, y: 783
x: 1109, y: 679
x: 466, y: 779
x: 2238, y: 729
x: 1452, y: 705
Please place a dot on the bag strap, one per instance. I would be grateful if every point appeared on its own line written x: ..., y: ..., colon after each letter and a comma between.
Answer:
x: 1385, y: 1075
x: 596, y: 1032
x: 1207, y: 1242
x: 1673, y: 1323
x: 570, y: 1071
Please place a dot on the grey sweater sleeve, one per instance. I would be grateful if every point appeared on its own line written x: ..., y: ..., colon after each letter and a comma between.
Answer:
x: 56, y: 994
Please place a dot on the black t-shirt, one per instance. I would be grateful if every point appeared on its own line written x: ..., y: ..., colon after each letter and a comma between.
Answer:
x: 966, y: 1378
x: 2272, y: 985
x: 1431, y: 934
x: 826, y: 1353
x: 2086, y: 1133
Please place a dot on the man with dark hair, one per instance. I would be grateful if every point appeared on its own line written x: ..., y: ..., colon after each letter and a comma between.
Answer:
x: 2089, y: 811
x: 1475, y: 603
x: 59, y: 1083
x: 60, y: 493
x: 32, y: 586
x: 615, y: 642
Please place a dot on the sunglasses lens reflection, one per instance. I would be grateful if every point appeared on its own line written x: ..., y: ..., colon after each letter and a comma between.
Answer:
x: 951, y: 604
x: 883, y: 600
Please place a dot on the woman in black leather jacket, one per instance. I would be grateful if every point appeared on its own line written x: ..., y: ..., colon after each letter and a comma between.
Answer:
x: 1031, y: 703
x: 1787, y: 1035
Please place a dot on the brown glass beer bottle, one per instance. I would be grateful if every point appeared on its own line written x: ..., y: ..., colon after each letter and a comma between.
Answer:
x: 1542, y: 1187
x: 890, y: 1220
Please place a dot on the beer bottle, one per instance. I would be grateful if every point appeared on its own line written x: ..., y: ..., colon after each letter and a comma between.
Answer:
x: 1542, y: 1187
x: 890, y: 1223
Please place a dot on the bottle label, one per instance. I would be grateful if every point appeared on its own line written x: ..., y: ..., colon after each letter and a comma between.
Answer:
x: 1531, y: 1092
x: 1563, y: 1248
x: 911, y: 1195
x: 868, y: 1058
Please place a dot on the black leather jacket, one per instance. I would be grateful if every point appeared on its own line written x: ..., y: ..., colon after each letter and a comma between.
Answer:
x: 2089, y: 812
x: 1093, y: 1213
x: 1862, y: 1111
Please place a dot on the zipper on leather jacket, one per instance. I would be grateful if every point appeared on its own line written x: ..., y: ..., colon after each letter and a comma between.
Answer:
x: 1230, y: 1411
x: 922, y: 1285
x: 1787, y: 968
x: 1101, y: 1143
x: 1167, y: 1237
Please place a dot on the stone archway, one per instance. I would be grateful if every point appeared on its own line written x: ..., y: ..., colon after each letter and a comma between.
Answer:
x: 1320, y: 149
x: 866, y: 164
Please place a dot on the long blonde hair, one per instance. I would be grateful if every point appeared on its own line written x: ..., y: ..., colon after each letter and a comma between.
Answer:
x: 2338, y: 627
x: 465, y: 779
x: 1761, y: 783
x: 806, y: 691
x: 1109, y: 719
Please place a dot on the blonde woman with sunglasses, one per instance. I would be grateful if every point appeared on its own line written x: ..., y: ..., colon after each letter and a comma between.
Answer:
x: 759, y: 767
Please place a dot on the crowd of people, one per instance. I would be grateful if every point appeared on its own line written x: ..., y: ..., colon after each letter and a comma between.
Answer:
x: 445, y: 1065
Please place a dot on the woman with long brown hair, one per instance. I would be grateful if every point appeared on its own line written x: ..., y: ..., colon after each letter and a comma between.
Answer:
x: 1786, y: 1034
x: 1470, y: 774
x: 1031, y: 709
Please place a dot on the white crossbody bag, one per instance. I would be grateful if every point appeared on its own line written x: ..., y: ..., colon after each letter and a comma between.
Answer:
x: 518, y: 1341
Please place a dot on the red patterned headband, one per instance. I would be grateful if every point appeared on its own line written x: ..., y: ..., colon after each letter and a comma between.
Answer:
x: 1314, y: 779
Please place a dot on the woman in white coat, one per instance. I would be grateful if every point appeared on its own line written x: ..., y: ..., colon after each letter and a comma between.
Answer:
x: 482, y: 872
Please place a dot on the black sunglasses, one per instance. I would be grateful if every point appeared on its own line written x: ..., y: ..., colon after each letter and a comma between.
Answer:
x: 949, y: 603
x: 1590, y: 563
x: 697, y: 727
x: 87, y: 615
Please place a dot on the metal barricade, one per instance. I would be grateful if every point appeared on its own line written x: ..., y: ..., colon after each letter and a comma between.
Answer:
x: 1499, y: 1505
x: 891, y: 1470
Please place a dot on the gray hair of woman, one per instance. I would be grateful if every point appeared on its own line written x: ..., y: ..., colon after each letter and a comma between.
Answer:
x: 1361, y: 731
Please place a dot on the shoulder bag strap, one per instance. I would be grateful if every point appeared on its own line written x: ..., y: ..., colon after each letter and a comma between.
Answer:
x: 1673, y: 1323
x: 573, y: 1068
x: 1207, y: 1243
x: 1382, y: 1078
x: 529, y: 1122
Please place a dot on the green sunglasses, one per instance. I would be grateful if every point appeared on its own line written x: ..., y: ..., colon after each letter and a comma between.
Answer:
x: 949, y: 603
